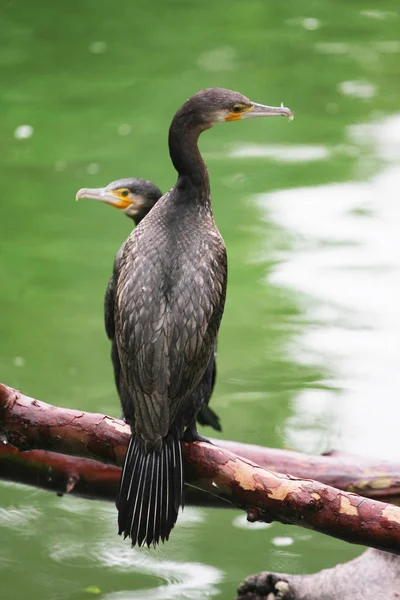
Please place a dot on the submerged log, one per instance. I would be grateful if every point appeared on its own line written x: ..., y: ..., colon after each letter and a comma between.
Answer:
x: 30, y: 424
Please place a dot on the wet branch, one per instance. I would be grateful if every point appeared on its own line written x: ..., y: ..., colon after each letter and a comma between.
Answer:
x: 29, y: 424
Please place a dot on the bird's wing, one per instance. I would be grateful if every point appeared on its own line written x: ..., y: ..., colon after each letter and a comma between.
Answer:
x: 109, y: 298
x: 196, y: 313
x: 165, y: 339
x: 141, y: 335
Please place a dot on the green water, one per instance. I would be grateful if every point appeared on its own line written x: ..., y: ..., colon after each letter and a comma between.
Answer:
x: 309, y: 212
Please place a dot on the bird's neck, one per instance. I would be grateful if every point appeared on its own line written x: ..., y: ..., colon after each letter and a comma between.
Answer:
x: 187, y: 160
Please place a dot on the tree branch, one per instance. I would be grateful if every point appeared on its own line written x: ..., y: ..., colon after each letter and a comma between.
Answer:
x: 94, y: 480
x: 266, y: 496
x: 347, y: 472
x: 78, y: 476
x: 59, y: 473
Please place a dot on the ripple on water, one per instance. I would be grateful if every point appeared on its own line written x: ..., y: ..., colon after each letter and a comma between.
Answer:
x: 281, y: 153
x: 183, y: 579
x: 358, y: 89
x: 364, y: 54
x: 379, y: 15
x: 384, y: 136
x: 18, y: 517
x: 74, y: 505
x: 282, y: 541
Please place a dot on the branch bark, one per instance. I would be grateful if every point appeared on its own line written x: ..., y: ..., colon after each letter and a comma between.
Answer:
x: 78, y: 476
x: 266, y: 496
x: 94, y: 480
x: 59, y: 473
x: 347, y: 472
x: 372, y: 576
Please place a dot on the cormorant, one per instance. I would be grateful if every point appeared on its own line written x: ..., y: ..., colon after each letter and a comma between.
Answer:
x: 171, y: 285
x: 136, y: 197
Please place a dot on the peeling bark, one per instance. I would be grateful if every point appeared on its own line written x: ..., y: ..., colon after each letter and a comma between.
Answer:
x: 371, y: 478
x: 374, y: 575
x: 347, y: 472
x: 96, y: 481
x: 264, y: 495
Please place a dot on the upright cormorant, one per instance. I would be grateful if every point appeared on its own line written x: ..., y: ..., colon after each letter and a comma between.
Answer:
x: 136, y: 197
x: 170, y: 296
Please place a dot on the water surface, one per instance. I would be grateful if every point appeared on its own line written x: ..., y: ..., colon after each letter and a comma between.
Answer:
x: 308, y: 353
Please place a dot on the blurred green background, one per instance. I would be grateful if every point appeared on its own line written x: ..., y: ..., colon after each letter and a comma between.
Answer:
x: 310, y: 214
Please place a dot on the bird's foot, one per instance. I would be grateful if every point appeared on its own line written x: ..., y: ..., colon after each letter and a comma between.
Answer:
x: 126, y: 420
x: 192, y: 435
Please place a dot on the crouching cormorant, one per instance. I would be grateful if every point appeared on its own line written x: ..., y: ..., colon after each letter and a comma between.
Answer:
x: 135, y: 198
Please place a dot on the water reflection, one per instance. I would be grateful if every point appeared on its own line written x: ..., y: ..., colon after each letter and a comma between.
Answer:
x: 360, y: 52
x: 282, y: 541
x: 358, y: 89
x: 175, y: 579
x: 182, y: 579
x: 279, y: 153
x: 91, y: 97
x: 23, y: 132
x: 18, y: 518
x: 345, y: 263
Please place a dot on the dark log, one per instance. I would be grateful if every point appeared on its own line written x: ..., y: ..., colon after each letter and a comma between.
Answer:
x: 266, y: 496
x: 374, y: 575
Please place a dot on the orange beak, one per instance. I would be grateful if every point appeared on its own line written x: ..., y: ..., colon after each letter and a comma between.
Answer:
x: 110, y: 197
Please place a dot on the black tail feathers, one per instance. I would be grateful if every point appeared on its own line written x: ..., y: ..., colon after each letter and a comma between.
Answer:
x: 150, y: 491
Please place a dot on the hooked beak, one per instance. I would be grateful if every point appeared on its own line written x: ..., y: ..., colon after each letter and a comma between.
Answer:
x: 108, y: 196
x: 259, y: 110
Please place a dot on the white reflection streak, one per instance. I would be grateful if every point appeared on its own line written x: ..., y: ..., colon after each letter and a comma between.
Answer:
x: 346, y: 259
x: 16, y: 518
x: 185, y: 580
x: 280, y: 153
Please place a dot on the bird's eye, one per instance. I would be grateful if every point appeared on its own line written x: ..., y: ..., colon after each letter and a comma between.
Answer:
x: 125, y: 193
x: 237, y: 108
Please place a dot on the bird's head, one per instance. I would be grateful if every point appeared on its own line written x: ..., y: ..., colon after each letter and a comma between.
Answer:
x: 216, y: 105
x: 135, y: 197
